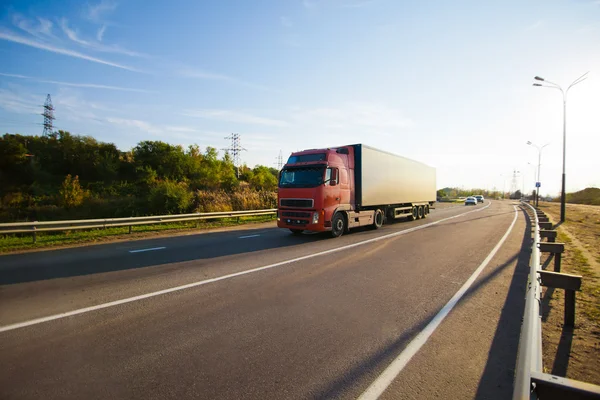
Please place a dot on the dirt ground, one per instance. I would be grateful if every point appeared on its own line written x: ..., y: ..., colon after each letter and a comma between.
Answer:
x: 574, y: 353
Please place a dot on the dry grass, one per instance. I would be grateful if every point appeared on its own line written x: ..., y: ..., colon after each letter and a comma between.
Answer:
x: 581, y: 235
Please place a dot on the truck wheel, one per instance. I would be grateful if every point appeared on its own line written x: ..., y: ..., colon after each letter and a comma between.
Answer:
x: 296, y: 231
x: 427, y: 209
x: 420, y: 212
x: 378, y: 219
x: 338, y: 225
x: 413, y: 214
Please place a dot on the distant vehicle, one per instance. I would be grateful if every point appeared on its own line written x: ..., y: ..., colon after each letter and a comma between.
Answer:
x: 479, y: 198
x: 339, y: 188
x: 471, y: 201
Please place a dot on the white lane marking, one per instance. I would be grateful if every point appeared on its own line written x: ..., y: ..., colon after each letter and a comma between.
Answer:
x: 384, y: 380
x: 248, y: 236
x: 221, y: 278
x: 142, y: 250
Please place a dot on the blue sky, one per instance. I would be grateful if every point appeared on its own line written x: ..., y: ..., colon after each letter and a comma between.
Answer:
x: 446, y: 83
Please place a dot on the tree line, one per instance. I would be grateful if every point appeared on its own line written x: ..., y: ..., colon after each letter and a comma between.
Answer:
x: 65, y: 176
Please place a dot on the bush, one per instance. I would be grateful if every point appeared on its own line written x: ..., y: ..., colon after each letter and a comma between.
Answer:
x: 71, y: 194
x: 253, y: 200
x: 169, y: 197
x: 212, y: 201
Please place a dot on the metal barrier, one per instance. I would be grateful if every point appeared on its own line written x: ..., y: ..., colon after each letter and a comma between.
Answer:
x: 530, y: 380
x: 54, y: 226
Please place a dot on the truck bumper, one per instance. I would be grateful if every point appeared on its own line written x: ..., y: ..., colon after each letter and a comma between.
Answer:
x: 302, y: 219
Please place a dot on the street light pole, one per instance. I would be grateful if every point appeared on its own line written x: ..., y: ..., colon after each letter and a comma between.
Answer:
x: 534, y: 175
x: 563, y: 194
x: 537, y: 188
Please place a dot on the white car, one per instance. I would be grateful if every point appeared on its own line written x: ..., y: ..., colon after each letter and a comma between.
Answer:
x: 479, y: 198
x: 470, y: 201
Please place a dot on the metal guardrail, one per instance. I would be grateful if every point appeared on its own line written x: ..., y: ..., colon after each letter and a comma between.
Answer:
x: 55, y: 226
x: 530, y: 380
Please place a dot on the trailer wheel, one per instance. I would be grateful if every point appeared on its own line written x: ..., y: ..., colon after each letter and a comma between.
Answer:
x: 296, y: 231
x: 425, y: 211
x: 413, y: 214
x: 420, y: 212
x: 338, y: 225
x: 378, y: 219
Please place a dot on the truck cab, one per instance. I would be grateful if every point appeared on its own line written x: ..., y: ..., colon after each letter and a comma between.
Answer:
x: 313, y: 185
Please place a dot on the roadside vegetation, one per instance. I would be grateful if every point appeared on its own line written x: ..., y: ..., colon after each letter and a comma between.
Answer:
x: 581, y: 235
x: 457, y: 194
x: 64, y: 176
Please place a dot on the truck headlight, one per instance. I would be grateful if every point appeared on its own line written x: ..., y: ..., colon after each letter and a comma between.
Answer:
x: 315, y: 219
x: 278, y: 218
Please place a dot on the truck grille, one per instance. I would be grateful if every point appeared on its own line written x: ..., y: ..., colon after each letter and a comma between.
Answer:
x: 295, y: 214
x: 299, y: 203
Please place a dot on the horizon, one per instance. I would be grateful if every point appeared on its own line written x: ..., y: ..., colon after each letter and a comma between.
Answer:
x: 441, y: 84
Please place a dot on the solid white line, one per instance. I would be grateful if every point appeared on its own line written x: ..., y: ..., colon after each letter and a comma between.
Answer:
x: 221, y: 278
x: 142, y: 250
x: 384, y: 380
x: 249, y: 236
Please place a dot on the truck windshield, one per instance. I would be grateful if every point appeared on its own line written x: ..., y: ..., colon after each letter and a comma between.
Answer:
x: 301, y: 177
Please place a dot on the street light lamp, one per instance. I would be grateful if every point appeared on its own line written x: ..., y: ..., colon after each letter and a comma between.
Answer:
x: 563, y: 195
x: 537, y: 188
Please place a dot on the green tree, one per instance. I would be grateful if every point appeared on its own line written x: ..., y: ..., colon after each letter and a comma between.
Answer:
x: 170, y: 197
x: 168, y: 161
x: 263, y: 179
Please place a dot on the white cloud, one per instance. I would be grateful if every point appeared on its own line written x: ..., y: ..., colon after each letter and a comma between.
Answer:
x: 379, y: 118
x: 71, y: 34
x: 285, y: 22
x: 535, y: 25
x: 97, y: 46
x: 357, y: 3
x: 11, y: 37
x: 189, y: 72
x: 234, y: 116
x: 183, y: 129
x: 135, y: 123
x: 309, y: 4
x: 100, y: 34
x: 201, y: 74
x: 81, y: 85
x: 95, y: 12
x: 42, y: 29
x: 12, y: 101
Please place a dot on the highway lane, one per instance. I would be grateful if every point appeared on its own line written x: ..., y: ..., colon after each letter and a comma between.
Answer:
x: 324, y: 326
x: 42, y: 283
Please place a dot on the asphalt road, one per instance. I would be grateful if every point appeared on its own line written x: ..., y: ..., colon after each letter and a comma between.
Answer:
x: 269, y: 315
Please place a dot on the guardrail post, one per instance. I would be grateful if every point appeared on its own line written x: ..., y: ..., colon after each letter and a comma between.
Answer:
x: 550, y: 235
x: 34, y: 234
x: 571, y: 284
x: 555, y: 248
x: 545, y: 225
x: 130, y: 229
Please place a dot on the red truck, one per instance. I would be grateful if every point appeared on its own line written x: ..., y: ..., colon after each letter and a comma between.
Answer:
x: 340, y: 188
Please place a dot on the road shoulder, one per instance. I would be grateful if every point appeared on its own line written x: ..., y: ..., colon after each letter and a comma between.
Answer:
x: 473, y: 352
